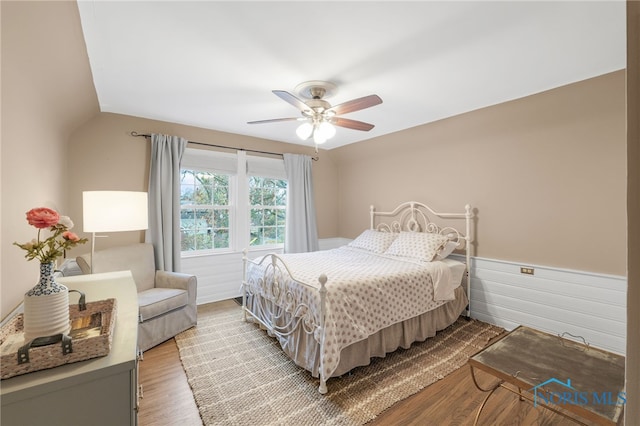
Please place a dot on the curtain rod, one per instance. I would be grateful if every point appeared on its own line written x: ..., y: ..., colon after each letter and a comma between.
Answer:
x: 136, y: 134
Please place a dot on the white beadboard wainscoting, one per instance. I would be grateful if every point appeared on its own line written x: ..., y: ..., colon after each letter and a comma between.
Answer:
x: 553, y: 300
x: 330, y: 243
x: 220, y: 275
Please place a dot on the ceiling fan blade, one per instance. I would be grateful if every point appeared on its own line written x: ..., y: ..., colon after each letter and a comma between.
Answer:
x: 273, y: 120
x: 356, y: 104
x: 352, y: 124
x: 288, y: 97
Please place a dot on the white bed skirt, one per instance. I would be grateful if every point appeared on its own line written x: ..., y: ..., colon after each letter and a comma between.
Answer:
x: 305, y: 351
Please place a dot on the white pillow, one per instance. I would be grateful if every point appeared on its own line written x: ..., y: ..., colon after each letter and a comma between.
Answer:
x: 375, y: 241
x: 446, y: 250
x: 417, y: 245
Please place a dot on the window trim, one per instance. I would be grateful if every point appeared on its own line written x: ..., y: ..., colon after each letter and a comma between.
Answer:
x: 231, y: 209
x: 240, y: 207
x: 263, y: 207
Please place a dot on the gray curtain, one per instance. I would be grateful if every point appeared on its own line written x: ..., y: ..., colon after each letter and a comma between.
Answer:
x: 164, y: 200
x: 301, y: 234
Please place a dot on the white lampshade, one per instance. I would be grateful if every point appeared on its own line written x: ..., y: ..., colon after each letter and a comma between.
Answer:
x: 318, y: 139
x: 326, y: 129
x: 114, y: 211
x: 304, y: 130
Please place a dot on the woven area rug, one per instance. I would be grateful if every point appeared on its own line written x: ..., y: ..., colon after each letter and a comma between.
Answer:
x: 240, y: 376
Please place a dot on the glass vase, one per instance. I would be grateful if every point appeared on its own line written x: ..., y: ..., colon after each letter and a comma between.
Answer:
x: 46, y: 306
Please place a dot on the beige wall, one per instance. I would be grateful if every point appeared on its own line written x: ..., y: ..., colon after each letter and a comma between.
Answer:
x: 47, y: 91
x: 545, y: 174
x: 632, y: 410
x: 107, y: 157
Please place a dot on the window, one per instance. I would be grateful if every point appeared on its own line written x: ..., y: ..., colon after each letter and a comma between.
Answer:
x: 204, y: 210
x: 267, y: 201
x: 230, y: 202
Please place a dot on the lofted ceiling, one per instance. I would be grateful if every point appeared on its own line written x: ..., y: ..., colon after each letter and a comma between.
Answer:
x: 214, y: 64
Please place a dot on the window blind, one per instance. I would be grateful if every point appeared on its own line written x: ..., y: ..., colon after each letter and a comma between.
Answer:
x: 266, y: 167
x: 211, y: 161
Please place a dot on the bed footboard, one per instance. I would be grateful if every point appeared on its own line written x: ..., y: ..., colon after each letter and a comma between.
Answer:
x: 266, y: 282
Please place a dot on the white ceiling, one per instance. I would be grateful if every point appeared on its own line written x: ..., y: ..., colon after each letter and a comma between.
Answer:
x: 213, y: 64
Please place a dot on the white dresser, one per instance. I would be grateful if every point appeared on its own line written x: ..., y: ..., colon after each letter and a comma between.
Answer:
x: 99, y: 391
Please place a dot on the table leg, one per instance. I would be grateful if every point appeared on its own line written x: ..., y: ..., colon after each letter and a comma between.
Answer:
x: 522, y: 397
x: 491, y: 390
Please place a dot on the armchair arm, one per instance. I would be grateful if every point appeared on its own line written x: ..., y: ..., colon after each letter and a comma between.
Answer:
x: 166, y: 279
x: 187, y: 282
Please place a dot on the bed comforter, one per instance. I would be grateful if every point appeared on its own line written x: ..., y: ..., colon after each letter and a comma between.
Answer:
x: 366, y: 292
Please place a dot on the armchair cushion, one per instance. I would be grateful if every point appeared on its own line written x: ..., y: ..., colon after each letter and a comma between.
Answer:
x: 158, y: 301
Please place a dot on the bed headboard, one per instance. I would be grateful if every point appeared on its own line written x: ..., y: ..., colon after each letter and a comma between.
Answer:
x: 413, y: 216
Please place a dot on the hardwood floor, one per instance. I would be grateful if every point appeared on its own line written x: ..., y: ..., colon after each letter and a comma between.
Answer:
x: 453, y: 400
x: 167, y: 399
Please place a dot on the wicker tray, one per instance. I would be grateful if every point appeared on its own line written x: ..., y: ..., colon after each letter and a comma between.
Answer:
x: 91, y: 336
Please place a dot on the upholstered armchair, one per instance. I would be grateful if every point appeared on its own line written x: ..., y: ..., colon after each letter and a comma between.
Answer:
x: 166, y: 300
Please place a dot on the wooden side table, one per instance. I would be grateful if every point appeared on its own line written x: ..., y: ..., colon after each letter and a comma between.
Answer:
x: 554, y: 372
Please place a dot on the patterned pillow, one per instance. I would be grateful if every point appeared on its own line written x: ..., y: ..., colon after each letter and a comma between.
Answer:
x: 446, y: 250
x: 375, y: 241
x: 417, y: 245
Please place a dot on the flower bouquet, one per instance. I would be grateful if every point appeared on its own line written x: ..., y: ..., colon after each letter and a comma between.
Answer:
x: 46, y: 306
x: 61, y: 238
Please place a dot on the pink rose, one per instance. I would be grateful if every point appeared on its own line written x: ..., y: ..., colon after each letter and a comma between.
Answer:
x: 68, y: 235
x: 42, y: 217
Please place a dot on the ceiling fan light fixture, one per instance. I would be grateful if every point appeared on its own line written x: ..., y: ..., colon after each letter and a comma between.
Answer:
x: 326, y: 130
x: 318, y: 116
x: 304, y: 130
x: 318, y: 138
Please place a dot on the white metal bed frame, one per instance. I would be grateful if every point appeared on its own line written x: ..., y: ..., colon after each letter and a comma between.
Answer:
x: 279, y: 303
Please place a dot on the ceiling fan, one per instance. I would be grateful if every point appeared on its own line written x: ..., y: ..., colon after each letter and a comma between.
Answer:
x: 318, y: 115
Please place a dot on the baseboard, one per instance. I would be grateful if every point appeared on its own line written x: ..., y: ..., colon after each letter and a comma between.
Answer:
x: 554, y: 300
